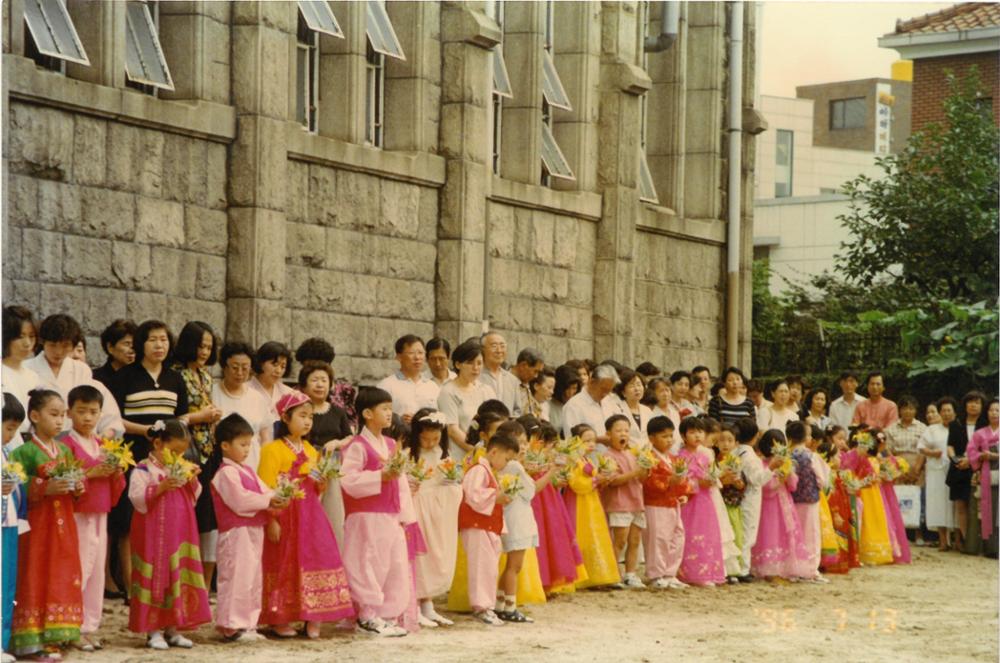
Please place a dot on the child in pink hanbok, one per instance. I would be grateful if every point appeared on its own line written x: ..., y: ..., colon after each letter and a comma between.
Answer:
x: 304, y: 578
x: 378, y: 506
x: 779, y: 550
x: 168, y: 591
x: 241, y: 502
x: 480, y: 524
x: 890, y: 469
x: 703, y: 562
x: 105, y: 485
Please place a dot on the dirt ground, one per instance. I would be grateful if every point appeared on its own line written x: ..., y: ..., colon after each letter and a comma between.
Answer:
x: 941, y: 608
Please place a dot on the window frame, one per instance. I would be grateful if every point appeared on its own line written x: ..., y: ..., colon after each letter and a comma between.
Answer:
x: 310, y: 11
x: 380, y: 31
x: 550, y: 171
x: 61, y: 13
x: 152, y: 24
x: 842, y: 104
x: 306, y: 76
x: 374, y: 97
x: 778, y: 133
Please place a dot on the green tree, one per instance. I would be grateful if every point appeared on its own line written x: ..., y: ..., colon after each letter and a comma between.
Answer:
x: 932, y: 219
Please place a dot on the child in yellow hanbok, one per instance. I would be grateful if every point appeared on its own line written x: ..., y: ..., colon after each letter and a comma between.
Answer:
x: 875, y: 546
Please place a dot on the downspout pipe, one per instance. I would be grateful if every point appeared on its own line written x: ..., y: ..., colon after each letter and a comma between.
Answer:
x: 669, y: 27
x: 735, y: 193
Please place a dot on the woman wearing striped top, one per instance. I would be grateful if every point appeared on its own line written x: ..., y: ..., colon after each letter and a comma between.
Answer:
x: 730, y: 405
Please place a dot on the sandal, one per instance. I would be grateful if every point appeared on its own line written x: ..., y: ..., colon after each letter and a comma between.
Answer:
x: 515, y: 616
x: 285, y: 631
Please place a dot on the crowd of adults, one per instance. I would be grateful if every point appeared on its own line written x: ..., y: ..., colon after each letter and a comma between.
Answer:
x: 149, y: 375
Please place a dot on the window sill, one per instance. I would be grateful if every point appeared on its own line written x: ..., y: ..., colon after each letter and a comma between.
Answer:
x: 580, y: 204
x: 416, y: 167
x: 202, y: 119
x: 663, y: 221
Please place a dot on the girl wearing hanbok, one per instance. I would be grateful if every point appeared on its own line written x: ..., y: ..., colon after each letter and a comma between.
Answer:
x: 590, y: 524
x: 982, y: 452
x: 560, y: 562
x: 48, y: 606
x: 845, y: 502
x: 730, y: 551
x: 779, y: 550
x: 304, y: 578
x: 241, y: 501
x: 168, y: 590
x: 703, y: 562
x: 875, y: 547
x: 733, y: 481
x: 436, y: 504
x: 15, y: 518
x: 890, y: 468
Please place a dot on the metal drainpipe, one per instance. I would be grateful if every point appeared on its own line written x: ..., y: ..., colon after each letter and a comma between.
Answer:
x: 669, y: 27
x: 735, y: 195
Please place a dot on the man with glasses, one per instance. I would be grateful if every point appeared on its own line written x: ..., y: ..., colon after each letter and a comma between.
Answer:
x: 410, y: 389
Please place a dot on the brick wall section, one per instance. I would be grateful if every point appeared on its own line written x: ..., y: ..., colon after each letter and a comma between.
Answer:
x: 930, y: 85
x: 107, y: 220
x: 360, y: 263
x: 679, y: 302
x: 542, y: 282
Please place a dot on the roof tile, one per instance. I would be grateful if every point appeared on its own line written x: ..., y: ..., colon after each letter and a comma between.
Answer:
x: 963, y: 16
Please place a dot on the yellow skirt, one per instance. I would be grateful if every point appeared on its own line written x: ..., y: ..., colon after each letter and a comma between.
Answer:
x: 829, y: 545
x: 594, y: 539
x: 875, y: 547
x: 529, y: 581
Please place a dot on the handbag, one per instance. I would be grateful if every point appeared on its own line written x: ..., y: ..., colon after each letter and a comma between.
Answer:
x: 909, y: 505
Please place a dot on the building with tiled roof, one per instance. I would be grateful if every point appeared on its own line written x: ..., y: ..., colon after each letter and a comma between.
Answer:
x: 953, y: 39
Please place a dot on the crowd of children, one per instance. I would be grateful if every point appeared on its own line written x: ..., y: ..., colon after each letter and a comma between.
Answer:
x: 520, y: 511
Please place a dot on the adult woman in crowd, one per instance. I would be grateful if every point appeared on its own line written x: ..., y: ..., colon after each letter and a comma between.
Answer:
x: 460, y: 398
x: 197, y: 349
x: 933, y: 446
x: 777, y: 415
x: 19, y: 341
x: 342, y: 392
x: 659, y: 399
x: 272, y: 363
x: 814, y: 408
x: 233, y: 395
x: 959, y: 478
x: 331, y: 430
x: 147, y: 391
x: 567, y: 384
x: 731, y: 404
x: 542, y: 387
x: 680, y: 385
x: 627, y: 400
x: 117, y: 342
x: 982, y: 452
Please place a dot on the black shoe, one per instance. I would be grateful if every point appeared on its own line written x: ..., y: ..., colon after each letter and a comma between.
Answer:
x: 513, y: 616
x: 746, y: 579
x: 113, y: 595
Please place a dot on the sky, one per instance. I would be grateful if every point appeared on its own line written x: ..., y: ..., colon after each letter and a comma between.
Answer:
x: 821, y: 42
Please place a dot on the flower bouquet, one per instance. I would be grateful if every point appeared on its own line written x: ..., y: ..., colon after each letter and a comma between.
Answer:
x: 713, y: 473
x: 13, y: 472
x: 288, y: 488
x: 399, y: 462
x: 327, y: 467
x: 864, y: 440
x: 178, y: 467
x: 418, y: 471
x: 536, y: 459
x: 786, y: 468
x: 644, y: 457
x: 680, y: 467
x: 510, y: 484
x: 731, y: 463
x: 606, y: 465
x: 450, y: 470
x: 572, y: 448
x: 67, y: 468
x: 851, y: 482
x: 117, y: 453
x: 780, y: 450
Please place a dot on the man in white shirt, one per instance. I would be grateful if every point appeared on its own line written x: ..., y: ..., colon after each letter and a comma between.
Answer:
x: 842, y: 409
x: 495, y: 376
x: 592, y: 406
x: 410, y: 389
x: 529, y: 364
x: 438, y: 356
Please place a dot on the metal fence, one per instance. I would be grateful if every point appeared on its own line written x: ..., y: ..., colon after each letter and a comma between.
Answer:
x: 832, y: 352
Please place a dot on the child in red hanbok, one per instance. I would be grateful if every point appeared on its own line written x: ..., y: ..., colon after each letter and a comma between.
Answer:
x: 48, y: 609
x: 168, y: 591
x: 663, y: 494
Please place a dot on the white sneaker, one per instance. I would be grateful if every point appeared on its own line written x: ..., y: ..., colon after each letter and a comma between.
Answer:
x: 440, y: 619
x: 632, y: 582
x: 677, y: 584
x: 819, y: 580
x: 488, y: 617
x: 178, y: 640
x: 426, y: 622
x: 247, y: 636
x: 378, y: 626
x: 660, y: 583
x: 156, y: 641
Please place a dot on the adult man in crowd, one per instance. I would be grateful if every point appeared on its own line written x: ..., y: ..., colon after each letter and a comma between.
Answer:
x: 495, y: 376
x: 876, y: 412
x: 842, y: 409
x: 529, y: 364
x: 409, y: 387
x: 592, y: 406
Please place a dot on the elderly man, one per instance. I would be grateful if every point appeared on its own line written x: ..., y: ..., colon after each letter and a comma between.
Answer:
x: 529, y: 364
x: 495, y: 376
x: 409, y: 387
x: 592, y: 406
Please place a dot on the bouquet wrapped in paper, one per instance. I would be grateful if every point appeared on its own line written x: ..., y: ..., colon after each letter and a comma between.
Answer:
x: 605, y: 465
x: 510, y: 484
x: 178, y: 467
x: 67, y: 468
x: 327, y: 467
x: 450, y: 470
x: 572, y: 448
x: 536, y: 459
x: 645, y: 458
x: 731, y: 463
x: 851, y: 482
x: 288, y: 488
x: 418, y: 471
x: 780, y: 450
x: 117, y: 453
x: 13, y: 472
x: 680, y: 467
x: 399, y: 462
